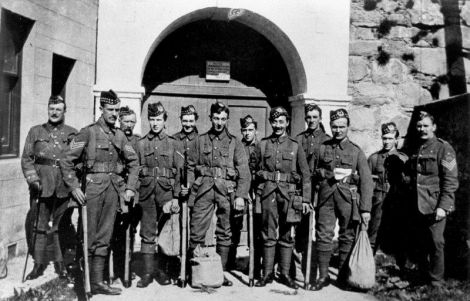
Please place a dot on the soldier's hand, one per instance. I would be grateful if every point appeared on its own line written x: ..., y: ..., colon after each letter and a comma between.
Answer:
x: 175, y: 207
x: 306, y: 208
x: 129, y: 195
x: 239, y: 204
x: 184, y: 191
x: 79, y: 196
x: 36, y: 187
x: 365, y: 216
x: 167, y: 207
x: 440, y: 214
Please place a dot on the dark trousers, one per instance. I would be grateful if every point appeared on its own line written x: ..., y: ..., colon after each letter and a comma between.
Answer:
x: 428, y: 237
x: 47, y: 247
x: 375, y: 221
x: 151, y: 213
x: 275, y: 229
x: 101, y: 211
x: 201, y: 218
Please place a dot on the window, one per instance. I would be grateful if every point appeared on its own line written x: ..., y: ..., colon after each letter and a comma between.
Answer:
x: 61, y: 68
x: 14, y: 30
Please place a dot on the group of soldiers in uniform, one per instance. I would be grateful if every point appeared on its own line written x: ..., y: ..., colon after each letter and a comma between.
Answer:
x: 109, y: 169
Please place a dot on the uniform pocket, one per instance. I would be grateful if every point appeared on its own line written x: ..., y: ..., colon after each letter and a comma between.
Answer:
x: 347, y: 161
x: 288, y: 156
x: 428, y: 164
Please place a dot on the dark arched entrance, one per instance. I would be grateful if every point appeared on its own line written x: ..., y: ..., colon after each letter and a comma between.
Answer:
x: 175, y: 73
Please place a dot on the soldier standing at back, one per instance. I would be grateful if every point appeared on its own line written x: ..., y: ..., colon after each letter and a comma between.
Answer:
x: 105, y: 151
x: 310, y: 140
x: 387, y: 167
x: 159, y: 190
x: 345, y: 193
x: 433, y: 172
x: 282, y: 169
x: 127, y: 216
x: 222, y: 179
x: 44, y: 148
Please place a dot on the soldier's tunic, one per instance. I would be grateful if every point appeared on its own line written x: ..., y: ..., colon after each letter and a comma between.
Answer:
x: 44, y: 148
x: 343, y: 200
x: 282, y: 167
x: 159, y: 183
x: 105, y: 151
x: 221, y: 175
x: 433, y: 172
x: 387, y: 168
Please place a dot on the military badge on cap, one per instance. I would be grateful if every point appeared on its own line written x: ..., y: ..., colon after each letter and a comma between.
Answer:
x: 124, y: 111
x: 188, y: 110
x: 389, y: 127
x: 155, y: 109
x: 246, y: 121
x: 277, y: 112
x: 337, y: 114
x: 55, y: 99
x: 109, y: 97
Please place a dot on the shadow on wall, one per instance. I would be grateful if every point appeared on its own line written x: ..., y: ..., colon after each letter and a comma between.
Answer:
x: 451, y: 117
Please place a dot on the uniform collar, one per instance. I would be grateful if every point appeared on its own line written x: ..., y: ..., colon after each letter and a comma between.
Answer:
x: 386, y: 153
x: 189, y: 136
x: 105, y: 126
x: 315, y: 133
x: 341, y: 144
x: 280, y: 139
x: 160, y: 135
x: 429, y: 142
x: 252, y: 143
x: 213, y: 134
x: 49, y: 126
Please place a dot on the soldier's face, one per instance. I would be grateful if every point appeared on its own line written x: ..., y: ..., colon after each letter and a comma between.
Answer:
x: 219, y: 120
x: 128, y: 123
x: 425, y: 128
x: 279, y: 125
x: 188, y: 122
x: 339, y: 128
x: 157, y: 123
x: 110, y: 113
x: 313, y: 119
x: 56, y: 113
x: 389, y: 141
x: 248, y: 133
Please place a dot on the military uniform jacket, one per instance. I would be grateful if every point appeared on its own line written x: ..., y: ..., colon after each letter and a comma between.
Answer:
x: 358, y: 188
x: 106, y: 152
x: 310, y: 142
x: 282, y: 167
x: 222, y: 164
x: 158, y: 169
x: 387, y: 169
x: 44, y: 148
x: 251, y: 155
x: 187, y: 144
x: 433, y: 173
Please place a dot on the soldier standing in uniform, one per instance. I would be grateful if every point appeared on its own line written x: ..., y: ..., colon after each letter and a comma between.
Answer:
x: 105, y: 151
x: 282, y: 168
x: 44, y: 148
x: 310, y: 140
x: 345, y: 193
x: 249, y: 140
x: 159, y: 190
x: 433, y: 172
x: 127, y: 216
x: 222, y: 179
x: 387, y: 167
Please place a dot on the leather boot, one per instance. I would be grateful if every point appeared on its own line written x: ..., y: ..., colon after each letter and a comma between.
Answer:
x: 323, y: 263
x: 342, y: 268
x: 285, y: 256
x: 268, y: 266
x: 147, y: 277
x: 37, y: 271
x: 98, y: 286
x: 223, y: 251
x: 60, y: 269
x: 162, y: 270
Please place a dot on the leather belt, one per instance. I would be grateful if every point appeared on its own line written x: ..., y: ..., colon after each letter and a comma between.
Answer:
x: 46, y: 161
x: 158, y: 172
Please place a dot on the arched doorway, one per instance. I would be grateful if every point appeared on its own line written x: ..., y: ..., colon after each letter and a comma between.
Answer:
x: 265, y: 69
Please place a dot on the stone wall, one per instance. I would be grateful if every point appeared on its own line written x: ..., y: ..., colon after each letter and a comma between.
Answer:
x: 67, y: 29
x: 398, y: 58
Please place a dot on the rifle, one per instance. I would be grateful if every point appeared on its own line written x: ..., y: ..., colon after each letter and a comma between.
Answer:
x: 251, y: 263
x: 84, y: 220
x: 35, y: 231
x: 309, y: 246
x: 127, y: 282
x: 184, y: 223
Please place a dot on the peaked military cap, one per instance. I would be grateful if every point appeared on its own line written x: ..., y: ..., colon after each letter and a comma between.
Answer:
x: 247, y: 120
x: 278, y: 112
x: 389, y: 127
x: 109, y: 97
x: 55, y: 99
x: 337, y: 114
x: 155, y: 109
x: 188, y: 110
